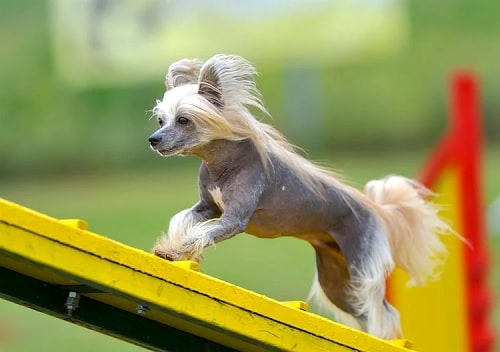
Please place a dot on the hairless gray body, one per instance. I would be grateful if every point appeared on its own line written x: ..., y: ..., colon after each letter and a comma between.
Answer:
x: 252, y: 181
x: 275, y: 203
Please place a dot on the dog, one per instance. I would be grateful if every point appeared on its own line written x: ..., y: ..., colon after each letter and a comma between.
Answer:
x: 252, y: 180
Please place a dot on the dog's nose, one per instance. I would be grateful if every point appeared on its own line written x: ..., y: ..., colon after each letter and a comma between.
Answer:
x: 154, y: 140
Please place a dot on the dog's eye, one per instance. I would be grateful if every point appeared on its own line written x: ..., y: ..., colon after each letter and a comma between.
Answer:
x: 160, y: 121
x: 182, y: 120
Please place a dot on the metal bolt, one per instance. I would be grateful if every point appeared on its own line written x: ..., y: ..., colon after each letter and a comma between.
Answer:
x: 142, y: 309
x: 72, y: 302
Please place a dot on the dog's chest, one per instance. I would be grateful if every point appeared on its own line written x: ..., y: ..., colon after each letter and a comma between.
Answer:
x: 217, y: 197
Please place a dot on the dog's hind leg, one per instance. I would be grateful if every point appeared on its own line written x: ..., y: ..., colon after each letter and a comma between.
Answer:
x: 366, y: 250
x: 353, y: 263
x: 330, y: 289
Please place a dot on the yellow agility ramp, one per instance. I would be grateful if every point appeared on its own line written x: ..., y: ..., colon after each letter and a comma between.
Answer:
x: 59, y: 268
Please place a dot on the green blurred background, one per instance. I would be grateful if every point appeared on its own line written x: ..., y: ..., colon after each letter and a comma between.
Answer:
x: 72, y: 150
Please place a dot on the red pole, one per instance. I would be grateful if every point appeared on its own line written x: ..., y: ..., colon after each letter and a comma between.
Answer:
x: 466, y: 126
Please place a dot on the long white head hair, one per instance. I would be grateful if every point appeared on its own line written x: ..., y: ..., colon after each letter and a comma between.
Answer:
x: 221, y: 93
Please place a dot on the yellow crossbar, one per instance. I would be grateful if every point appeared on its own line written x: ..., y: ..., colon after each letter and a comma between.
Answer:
x: 62, y: 256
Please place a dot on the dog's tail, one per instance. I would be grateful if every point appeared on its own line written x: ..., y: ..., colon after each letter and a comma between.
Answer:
x: 413, y: 226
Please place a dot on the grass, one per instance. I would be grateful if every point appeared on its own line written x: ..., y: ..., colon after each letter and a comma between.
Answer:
x: 134, y: 206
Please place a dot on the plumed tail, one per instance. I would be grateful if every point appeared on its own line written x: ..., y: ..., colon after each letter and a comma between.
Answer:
x: 413, y: 226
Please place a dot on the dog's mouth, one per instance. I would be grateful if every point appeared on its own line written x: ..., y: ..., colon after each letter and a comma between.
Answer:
x: 165, y: 152
x: 168, y: 151
x: 178, y: 149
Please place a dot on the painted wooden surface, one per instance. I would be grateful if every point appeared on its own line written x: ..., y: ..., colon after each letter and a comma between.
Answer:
x: 164, y: 305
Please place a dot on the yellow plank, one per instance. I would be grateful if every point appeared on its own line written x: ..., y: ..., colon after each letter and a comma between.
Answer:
x: 176, y: 294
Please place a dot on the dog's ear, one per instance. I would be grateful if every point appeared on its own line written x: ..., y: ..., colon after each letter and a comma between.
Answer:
x: 209, y: 82
x: 185, y: 71
x: 228, y: 80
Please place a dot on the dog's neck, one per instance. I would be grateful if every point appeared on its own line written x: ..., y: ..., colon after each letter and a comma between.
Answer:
x: 222, y: 155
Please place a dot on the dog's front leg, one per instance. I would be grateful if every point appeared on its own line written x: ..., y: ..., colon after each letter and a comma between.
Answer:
x: 171, y: 246
x: 210, y: 232
x: 191, y: 231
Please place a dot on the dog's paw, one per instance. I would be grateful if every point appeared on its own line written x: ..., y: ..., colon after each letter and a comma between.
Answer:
x: 165, y: 251
x: 176, y: 256
x: 171, y: 256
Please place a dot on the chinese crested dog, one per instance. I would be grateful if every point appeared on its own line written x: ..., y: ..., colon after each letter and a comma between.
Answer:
x: 252, y: 180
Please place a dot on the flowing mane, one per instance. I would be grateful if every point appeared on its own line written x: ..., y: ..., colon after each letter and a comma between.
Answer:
x: 272, y: 143
x: 233, y: 81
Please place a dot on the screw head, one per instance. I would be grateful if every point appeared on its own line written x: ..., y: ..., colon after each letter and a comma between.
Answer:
x: 142, y: 309
x: 72, y: 301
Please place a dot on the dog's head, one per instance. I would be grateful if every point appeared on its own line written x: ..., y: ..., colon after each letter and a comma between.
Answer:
x: 202, y: 103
